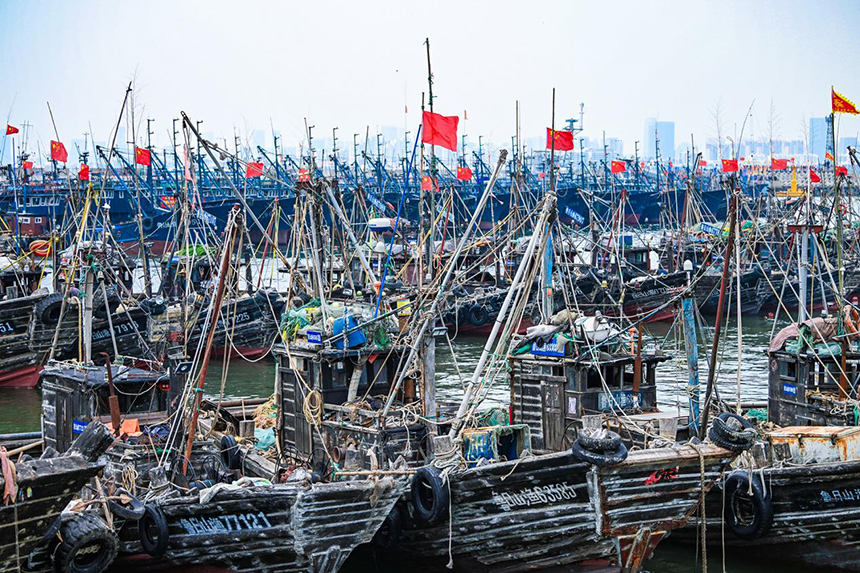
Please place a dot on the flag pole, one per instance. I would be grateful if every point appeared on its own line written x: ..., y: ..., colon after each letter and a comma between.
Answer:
x: 840, y: 325
x: 547, y: 258
x: 431, y: 239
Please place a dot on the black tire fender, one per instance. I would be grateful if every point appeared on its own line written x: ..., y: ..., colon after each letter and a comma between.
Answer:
x: 88, y: 545
x: 388, y: 534
x: 152, y: 529
x: 133, y: 511
x: 113, y: 300
x: 47, y: 309
x: 721, y: 434
x: 599, y: 459
x: 478, y: 315
x: 430, y: 496
x: 736, y: 488
x: 606, y: 444
x: 230, y: 452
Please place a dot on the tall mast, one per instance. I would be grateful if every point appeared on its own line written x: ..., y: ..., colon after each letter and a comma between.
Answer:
x: 547, y: 259
x: 431, y: 239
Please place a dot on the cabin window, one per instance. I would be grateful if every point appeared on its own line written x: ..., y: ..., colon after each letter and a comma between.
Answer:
x: 38, y: 220
x: 788, y: 369
x: 24, y: 220
x: 297, y: 363
x: 593, y: 381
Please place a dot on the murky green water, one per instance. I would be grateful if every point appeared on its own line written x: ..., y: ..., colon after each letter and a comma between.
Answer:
x: 19, y: 410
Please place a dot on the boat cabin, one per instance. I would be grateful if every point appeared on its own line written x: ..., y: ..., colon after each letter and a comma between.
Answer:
x: 804, y: 387
x: 73, y: 396
x: 556, y: 391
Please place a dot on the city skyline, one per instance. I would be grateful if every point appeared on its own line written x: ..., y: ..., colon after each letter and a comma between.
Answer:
x: 236, y: 69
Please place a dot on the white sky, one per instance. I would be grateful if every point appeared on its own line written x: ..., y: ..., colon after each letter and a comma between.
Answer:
x: 354, y: 64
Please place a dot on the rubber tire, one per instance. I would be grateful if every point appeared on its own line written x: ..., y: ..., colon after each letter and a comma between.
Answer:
x: 732, y: 446
x: 266, y: 295
x: 47, y: 309
x: 727, y: 433
x: 132, y: 512
x: 600, y: 460
x: 80, y: 532
x: 153, y: 517
x: 478, y: 315
x: 738, y: 484
x: 388, y: 534
x: 608, y: 444
x: 432, y: 510
x: 152, y: 307
x: 99, y: 310
x: 230, y: 453
x: 148, y: 224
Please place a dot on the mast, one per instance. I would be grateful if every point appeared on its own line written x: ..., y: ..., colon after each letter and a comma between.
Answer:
x: 431, y: 240
x: 721, y: 307
x: 840, y: 271
x: 547, y: 259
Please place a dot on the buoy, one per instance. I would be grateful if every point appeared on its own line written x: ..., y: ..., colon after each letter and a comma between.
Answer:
x: 40, y: 248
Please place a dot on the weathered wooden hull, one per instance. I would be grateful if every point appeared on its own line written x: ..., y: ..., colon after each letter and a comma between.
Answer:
x: 284, y: 527
x: 815, y: 506
x: 45, y: 488
x: 552, y: 510
x: 25, y: 340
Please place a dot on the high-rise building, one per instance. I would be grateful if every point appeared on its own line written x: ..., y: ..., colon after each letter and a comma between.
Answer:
x: 662, y: 132
x: 818, y: 137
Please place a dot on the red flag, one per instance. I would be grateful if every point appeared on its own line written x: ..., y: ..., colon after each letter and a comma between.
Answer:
x: 11, y: 129
x: 142, y: 156
x: 58, y: 152
x: 778, y: 164
x: 813, y: 176
x: 27, y: 165
x: 730, y: 165
x: 304, y: 175
x: 426, y: 183
x: 563, y: 140
x: 84, y: 173
x: 253, y: 170
x: 702, y: 163
x: 440, y: 130
x: 828, y: 155
x: 841, y: 170
x: 841, y: 104
x: 464, y: 174
x: 618, y: 167
x: 541, y: 175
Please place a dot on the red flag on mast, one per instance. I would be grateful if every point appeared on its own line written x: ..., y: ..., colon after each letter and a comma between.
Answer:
x: 58, y: 152
x: 730, y: 165
x: 841, y: 104
x: 84, y: 173
x: 813, y: 176
x: 253, y: 170
x: 440, y: 130
x: 10, y: 129
x: 563, y: 140
x: 26, y: 165
x: 142, y: 156
x: 778, y: 164
x: 618, y: 167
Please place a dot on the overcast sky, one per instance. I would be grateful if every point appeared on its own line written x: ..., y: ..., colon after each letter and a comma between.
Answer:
x: 354, y: 64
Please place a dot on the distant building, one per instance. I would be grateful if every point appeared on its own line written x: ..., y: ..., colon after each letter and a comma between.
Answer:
x: 664, y: 131
x: 818, y: 137
x: 844, y: 143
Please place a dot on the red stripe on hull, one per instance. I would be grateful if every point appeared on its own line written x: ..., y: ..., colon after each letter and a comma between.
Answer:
x: 26, y: 377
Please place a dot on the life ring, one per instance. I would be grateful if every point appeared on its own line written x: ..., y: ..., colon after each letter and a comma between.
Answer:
x: 841, y: 209
x: 40, y: 248
x: 747, y: 517
x: 153, y: 532
x: 852, y: 319
x: 430, y: 496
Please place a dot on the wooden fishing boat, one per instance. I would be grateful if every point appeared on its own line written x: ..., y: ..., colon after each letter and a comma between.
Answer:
x: 36, y: 492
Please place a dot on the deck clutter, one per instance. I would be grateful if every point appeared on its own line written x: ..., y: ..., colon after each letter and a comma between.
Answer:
x: 556, y: 449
